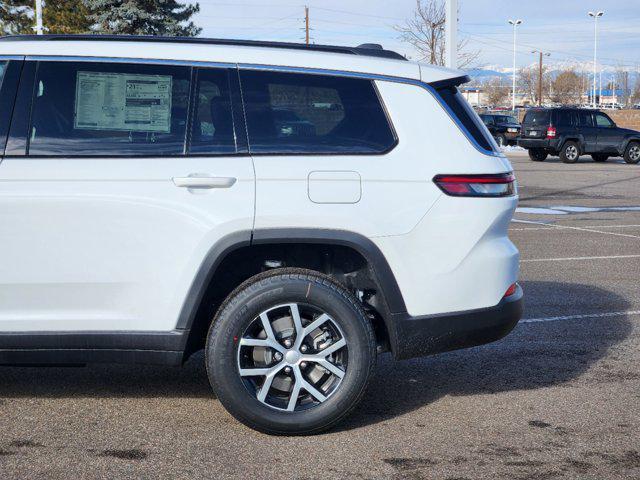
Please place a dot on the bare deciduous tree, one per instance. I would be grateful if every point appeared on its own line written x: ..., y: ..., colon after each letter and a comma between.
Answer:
x: 567, y: 87
x: 528, y: 82
x: 496, y: 91
x: 425, y: 31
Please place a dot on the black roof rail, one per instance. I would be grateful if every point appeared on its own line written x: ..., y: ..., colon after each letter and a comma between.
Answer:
x: 368, y: 50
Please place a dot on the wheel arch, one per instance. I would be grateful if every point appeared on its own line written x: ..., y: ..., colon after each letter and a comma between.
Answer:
x: 627, y: 140
x: 195, y: 319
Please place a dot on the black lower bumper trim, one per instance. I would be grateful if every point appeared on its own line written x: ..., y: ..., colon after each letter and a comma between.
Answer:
x: 420, y: 336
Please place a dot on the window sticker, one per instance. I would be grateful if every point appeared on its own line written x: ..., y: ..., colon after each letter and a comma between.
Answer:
x: 121, y: 101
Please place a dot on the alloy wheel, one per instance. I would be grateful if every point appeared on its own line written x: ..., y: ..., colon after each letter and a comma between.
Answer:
x: 292, y: 357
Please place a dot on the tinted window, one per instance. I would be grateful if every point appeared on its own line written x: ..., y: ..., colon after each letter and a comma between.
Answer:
x: 585, y: 119
x: 505, y: 119
x: 564, y: 118
x: 603, y: 121
x: 82, y: 108
x: 466, y: 116
x: 487, y: 119
x: 537, y: 117
x: 290, y: 112
x: 212, y: 130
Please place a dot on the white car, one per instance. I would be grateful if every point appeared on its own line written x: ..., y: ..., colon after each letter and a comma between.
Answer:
x: 153, y: 204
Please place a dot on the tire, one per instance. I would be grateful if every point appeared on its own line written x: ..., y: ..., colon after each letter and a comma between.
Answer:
x: 537, y: 154
x: 632, y: 153
x: 600, y: 157
x: 501, y: 140
x: 242, y: 316
x: 570, y: 152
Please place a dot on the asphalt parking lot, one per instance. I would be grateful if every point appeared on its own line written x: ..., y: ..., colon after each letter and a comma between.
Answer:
x: 558, y: 398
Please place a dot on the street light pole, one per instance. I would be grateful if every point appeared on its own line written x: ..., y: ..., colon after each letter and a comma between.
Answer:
x: 39, y: 27
x: 515, y: 23
x: 451, y: 30
x: 595, y: 17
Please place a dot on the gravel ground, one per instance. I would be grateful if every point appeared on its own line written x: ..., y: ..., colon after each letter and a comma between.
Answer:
x: 558, y: 398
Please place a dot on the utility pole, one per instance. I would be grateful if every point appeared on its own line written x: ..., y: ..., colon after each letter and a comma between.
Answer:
x: 306, y: 24
x: 541, y: 53
x: 515, y: 23
x: 39, y: 27
x: 450, y: 34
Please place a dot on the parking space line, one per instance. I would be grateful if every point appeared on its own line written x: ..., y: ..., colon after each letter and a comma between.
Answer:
x: 563, y: 259
x: 546, y: 227
x: 577, y: 317
x: 587, y: 230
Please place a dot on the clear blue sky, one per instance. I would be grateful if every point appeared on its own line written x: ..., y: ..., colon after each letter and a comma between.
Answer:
x: 561, y: 27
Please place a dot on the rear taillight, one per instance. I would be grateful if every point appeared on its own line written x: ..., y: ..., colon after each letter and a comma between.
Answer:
x: 489, y: 185
x: 551, y: 132
x: 511, y: 290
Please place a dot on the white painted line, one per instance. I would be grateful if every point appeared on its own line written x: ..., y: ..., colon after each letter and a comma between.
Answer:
x: 540, y: 211
x: 564, y: 259
x: 587, y: 230
x: 577, y: 317
x: 547, y: 225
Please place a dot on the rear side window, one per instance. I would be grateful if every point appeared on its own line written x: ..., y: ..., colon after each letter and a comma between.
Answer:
x: 301, y: 113
x: 564, y: 118
x: 86, y: 108
x: 537, y: 117
x: 585, y: 119
x: 465, y: 114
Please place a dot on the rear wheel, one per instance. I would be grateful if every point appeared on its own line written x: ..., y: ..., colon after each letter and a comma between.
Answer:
x: 537, y: 154
x: 570, y: 152
x: 290, y: 352
x: 632, y: 153
x: 600, y: 157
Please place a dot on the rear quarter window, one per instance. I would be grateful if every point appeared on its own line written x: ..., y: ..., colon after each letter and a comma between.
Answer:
x: 466, y: 116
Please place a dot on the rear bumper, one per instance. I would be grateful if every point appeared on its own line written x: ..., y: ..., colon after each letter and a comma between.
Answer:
x: 426, y: 335
x: 543, y: 143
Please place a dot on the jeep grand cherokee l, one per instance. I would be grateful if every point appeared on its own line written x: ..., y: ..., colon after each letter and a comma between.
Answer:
x: 292, y: 210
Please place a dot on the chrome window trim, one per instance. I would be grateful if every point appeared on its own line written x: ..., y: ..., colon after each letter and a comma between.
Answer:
x: 11, y: 57
x: 278, y: 68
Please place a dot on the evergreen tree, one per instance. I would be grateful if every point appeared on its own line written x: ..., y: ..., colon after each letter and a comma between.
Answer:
x: 65, y: 16
x: 143, y: 17
x: 15, y: 17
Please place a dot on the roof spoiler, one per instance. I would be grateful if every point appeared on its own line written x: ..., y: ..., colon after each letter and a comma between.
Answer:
x: 450, y: 82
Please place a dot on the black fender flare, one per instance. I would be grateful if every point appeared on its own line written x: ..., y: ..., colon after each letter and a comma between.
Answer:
x: 381, y: 270
x: 627, y: 140
x: 572, y: 138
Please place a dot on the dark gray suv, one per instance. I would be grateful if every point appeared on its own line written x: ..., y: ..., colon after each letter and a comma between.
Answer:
x: 571, y: 132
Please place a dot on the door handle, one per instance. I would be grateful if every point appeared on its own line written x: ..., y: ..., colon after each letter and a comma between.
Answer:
x: 204, y: 182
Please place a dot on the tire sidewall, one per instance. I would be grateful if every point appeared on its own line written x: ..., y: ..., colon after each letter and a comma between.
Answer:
x: 627, y: 153
x: 563, y: 155
x: 221, y: 353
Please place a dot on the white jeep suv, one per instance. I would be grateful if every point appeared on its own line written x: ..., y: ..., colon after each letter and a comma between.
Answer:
x: 292, y: 210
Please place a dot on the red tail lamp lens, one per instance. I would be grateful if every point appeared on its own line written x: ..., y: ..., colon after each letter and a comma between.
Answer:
x: 551, y: 132
x: 489, y: 185
x: 511, y: 290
